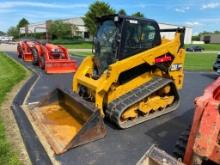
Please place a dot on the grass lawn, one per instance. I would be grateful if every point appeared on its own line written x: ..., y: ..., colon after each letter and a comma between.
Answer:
x: 208, y: 47
x: 200, y: 61
x: 79, y: 45
x: 86, y: 53
x: 88, y: 45
x: 10, y: 74
x: 194, y: 61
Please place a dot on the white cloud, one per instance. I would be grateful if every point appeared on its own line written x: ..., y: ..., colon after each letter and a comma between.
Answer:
x: 14, y: 4
x: 195, y: 23
x: 7, y: 10
x: 142, y: 5
x: 211, y: 5
x: 182, y: 10
x: 210, y: 20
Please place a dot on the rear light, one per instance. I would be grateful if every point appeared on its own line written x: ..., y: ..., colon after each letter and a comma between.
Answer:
x: 163, y: 59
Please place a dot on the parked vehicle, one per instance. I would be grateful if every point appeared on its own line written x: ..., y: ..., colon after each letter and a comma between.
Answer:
x: 24, y: 49
x: 51, y: 58
x: 216, y: 65
x: 199, y: 144
x: 195, y: 49
x: 6, y: 39
x: 128, y: 81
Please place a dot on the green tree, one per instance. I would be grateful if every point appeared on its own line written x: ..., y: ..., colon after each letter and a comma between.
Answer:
x: 13, y: 31
x: 216, y: 32
x: 96, y: 9
x: 206, y: 32
x: 22, y: 23
x: 2, y: 33
x: 59, y: 29
x: 196, y: 38
x: 138, y: 14
x: 122, y: 12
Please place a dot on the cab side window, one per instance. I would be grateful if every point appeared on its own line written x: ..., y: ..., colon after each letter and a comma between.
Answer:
x: 148, y: 36
x: 139, y: 36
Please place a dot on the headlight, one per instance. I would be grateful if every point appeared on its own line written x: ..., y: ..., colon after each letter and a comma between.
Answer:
x: 55, y: 50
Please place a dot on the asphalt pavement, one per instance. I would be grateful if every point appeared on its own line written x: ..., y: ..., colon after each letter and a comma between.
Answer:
x: 127, y: 146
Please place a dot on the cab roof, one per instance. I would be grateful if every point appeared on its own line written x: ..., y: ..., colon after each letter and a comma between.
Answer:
x: 111, y: 17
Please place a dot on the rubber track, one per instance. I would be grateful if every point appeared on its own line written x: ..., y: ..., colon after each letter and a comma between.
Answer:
x: 118, y: 106
x: 181, y: 144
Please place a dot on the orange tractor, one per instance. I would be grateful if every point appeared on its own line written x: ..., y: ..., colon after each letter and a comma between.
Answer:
x: 24, y: 50
x: 52, y: 58
x: 201, y: 144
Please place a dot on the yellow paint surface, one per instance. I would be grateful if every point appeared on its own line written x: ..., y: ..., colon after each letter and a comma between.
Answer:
x: 61, y: 124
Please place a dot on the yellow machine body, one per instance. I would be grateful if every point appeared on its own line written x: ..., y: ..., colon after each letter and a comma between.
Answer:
x: 104, y: 89
x: 128, y: 90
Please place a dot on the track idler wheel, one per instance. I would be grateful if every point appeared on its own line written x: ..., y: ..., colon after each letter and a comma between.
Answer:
x: 157, y: 101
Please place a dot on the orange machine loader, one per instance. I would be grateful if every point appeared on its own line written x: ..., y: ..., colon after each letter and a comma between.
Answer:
x: 54, y: 59
x: 51, y: 58
x: 24, y: 49
x: 202, y: 144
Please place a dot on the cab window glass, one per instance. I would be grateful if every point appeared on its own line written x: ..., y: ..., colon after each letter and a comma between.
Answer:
x: 138, y: 37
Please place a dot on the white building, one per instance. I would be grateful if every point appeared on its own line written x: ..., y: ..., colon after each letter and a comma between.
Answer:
x: 39, y: 27
x: 170, y: 35
x: 79, y: 29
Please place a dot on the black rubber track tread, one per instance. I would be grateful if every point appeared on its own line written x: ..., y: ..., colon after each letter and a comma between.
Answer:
x: 181, y: 144
x: 119, y: 105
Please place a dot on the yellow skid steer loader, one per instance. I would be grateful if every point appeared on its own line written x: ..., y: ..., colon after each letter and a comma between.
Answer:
x: 132, y: 77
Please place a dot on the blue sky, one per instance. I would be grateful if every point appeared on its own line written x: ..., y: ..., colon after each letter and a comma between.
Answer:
x: 202, y: 15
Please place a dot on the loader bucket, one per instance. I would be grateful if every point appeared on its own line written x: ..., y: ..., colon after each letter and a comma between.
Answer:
x: 60, y: 66
x: 28, y: 57
x: 156, y: 156
x: 67, y: 121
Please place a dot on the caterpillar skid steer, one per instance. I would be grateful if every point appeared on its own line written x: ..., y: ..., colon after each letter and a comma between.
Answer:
x: 133, y: 76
